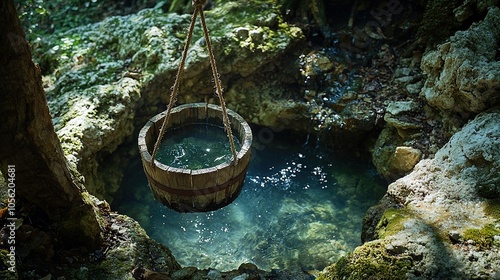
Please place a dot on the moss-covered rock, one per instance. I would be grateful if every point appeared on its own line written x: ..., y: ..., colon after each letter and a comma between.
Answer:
x: 369, y: 261
x: 91, y: 123
x: 128, y: 249
x: 484, y: 238
x: 444, y: 215
x: 392, y: 221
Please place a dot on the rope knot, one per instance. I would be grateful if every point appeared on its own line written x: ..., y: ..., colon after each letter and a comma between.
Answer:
x: 198, y: 4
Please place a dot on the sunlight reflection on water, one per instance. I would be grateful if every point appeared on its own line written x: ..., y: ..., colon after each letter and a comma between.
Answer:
x: 299, y: 208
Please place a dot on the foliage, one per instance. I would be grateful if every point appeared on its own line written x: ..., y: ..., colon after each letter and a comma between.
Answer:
x: 41, y: 17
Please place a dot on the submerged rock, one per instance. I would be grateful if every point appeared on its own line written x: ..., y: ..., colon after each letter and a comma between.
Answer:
x: 438, y: 222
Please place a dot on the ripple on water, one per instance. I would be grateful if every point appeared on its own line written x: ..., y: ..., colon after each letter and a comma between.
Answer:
x: 300, y: 208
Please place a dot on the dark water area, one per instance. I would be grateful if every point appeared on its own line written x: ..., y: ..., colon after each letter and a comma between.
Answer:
x: 196, y: 146
x: 301, y: 208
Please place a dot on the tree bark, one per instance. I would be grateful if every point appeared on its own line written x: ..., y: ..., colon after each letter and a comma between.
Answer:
x: 28, y: 141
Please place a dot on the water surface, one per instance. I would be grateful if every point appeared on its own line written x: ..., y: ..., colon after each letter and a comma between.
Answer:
x: 301, y: 208
x: 196, y: 146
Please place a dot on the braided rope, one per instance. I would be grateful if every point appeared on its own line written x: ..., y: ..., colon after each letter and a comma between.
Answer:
x: 175, y: 88
x: 218, y: 87
x: 198, y: 8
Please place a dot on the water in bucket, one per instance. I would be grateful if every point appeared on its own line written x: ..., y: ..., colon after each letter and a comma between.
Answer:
x: 196, y: 146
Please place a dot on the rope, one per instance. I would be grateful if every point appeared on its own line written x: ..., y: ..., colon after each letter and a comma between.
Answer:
x: 198, y: 8
x: 218, y: 86
x: 175, y: 88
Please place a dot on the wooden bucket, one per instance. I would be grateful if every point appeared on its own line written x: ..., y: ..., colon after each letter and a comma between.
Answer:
x: 200, y: 190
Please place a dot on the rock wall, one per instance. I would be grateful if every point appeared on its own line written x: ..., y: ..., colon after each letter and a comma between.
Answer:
x: 441, y: 220
x: 459, y: 78
x: 463, y: 74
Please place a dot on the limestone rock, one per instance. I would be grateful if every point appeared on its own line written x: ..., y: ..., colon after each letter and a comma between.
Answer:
x: 405, y: 158
x: 463, y: 75
x: 392, y: 158
x: 260, y: 104
x: 123, y: 253
x: 467, y: 166
x: 396, y: 117
x: 91, y: 123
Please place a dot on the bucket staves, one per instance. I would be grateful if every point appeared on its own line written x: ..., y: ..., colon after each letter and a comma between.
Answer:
x: 195, y: 190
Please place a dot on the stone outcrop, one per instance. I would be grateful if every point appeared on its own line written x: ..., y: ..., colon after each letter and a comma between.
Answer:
x: 91, y: 123
x: 390, y: 154
x: 442, y: 220
x: 463, y: 74
x: 123, y: 253
x: 461, y: 78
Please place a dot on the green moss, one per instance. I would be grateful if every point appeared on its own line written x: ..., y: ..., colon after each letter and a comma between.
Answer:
x: 483, y: 238
x: 267, y: 30
x: 392, y: 221
x: 251, y: 12
x: 369, y: 261
x: 5, y: 273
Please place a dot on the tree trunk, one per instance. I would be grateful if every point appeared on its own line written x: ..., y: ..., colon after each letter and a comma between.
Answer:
x: 29, y: 144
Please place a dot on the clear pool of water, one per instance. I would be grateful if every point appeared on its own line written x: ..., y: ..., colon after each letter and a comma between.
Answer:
x: 301, y: 208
